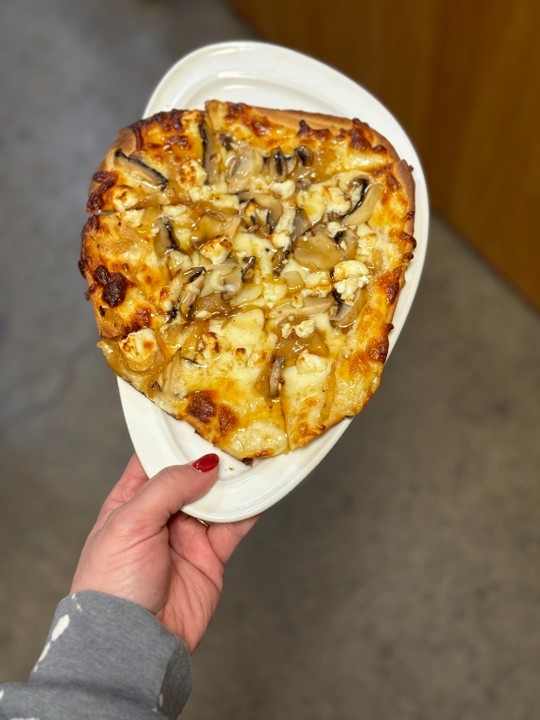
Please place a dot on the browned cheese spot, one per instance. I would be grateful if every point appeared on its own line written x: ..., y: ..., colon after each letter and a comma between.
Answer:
x: 101, y: 275
x: 182, y: 141
x: 115, y: 290
x: 390, y: 283
x: 378, y: 349
x: 305, y: 131
x: 358, y: 364
x: 144, y: 317
x: 227, y: 419
x: 408, y: 239
x: 357, y: 133
x: 201, y: 405
x: 235, y: 111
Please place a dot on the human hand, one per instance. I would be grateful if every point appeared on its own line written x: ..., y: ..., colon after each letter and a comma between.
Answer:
x: 143, y: 548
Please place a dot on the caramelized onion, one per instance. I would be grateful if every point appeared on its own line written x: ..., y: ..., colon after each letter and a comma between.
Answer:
x: 316, y: 251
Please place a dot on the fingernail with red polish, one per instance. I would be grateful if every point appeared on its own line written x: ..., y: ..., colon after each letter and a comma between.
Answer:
x: 206, y: 462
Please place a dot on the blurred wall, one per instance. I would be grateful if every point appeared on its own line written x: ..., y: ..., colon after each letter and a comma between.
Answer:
x: 462, y: 78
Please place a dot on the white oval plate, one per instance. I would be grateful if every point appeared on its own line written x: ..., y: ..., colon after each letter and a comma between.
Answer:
x: 269, y: 76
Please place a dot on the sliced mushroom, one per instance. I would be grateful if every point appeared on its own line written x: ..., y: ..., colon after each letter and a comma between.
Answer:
x: 278, y: 260
x: 305, y: 155
x: 226, y: 140
x: 312, y: 305
x: 145, y: 173
x: 165, y: 239
x: 245, y: 164
x: 365, y: 207
x: 357, y: 191
x: 347, y: 242
x: 211, y: 158
x: 215, y: 277
x: 232, y: 282
x: 191, y: 291
x: 251, y: 215
x: 291, y: 163
x: 301, y: 223
x: 274, y: 207
x: 277, y: 165
x: 316, y: 251
x: 248, y: 269
x: 347, y: 313
x: 275, y: 376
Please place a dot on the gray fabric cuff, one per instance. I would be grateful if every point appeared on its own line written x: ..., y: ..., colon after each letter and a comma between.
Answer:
x: 101, y: 643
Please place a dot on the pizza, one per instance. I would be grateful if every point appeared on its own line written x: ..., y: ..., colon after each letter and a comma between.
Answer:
x: 244, y: 264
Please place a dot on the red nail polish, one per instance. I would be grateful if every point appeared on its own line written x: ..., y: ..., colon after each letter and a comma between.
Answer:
x: 206, y: 462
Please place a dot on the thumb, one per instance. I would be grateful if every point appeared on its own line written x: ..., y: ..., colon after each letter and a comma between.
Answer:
x: 167, y: 492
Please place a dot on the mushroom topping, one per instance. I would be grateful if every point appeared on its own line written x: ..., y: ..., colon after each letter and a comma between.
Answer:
x: 290, y: 309
x: 210, y: 155
x: 298, y: 165
x: 275, y: 376
x: 365, y: 207
x: 245, y: 164
x: 277, y: 165
x: 278, y: 260
x: 140, y: 169
x: 190, y: 292
x: 226, y: 140
x: 347, y: 313
x: 348, y: 242
x: 305, y: 155
x: 314, y: 304
x: 316, y: 251
x: 232, y: 282
x: 165, y: 239
x: 274, y: 207
x: 248, y: 270
x: 291, y: 163
x: 301, y: 223
x: 252, y: 215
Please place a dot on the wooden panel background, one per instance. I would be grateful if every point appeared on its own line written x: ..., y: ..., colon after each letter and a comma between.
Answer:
x: 463, y: 78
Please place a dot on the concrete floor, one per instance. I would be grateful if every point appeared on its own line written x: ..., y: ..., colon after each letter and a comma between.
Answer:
x: 402, y: 578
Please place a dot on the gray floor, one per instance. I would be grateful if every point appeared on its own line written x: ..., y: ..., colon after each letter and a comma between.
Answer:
x: 402, y: 578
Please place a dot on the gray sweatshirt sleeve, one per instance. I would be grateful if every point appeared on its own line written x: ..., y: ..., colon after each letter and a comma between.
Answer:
x: 104, y: 658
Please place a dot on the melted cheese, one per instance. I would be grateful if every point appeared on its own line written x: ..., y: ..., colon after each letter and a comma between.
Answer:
x: 205, y: 310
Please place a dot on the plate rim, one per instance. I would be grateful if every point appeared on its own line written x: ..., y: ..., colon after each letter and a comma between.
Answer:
x: 211, y: 507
